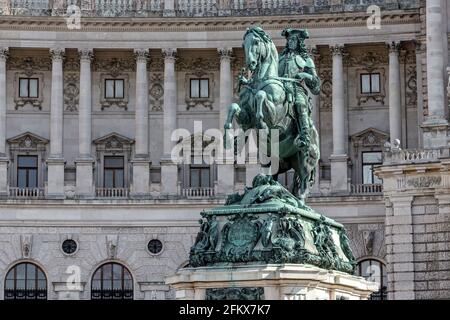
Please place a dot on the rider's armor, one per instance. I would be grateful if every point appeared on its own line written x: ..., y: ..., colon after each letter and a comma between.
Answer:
x: 291, y: 64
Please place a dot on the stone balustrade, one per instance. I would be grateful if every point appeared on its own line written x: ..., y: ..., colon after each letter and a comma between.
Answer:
x: 26, y: 193
x: 198, y: 192
x: 366, y: 189
x: 189, y: 8
x: 111, y: 192
x: 411, y: 156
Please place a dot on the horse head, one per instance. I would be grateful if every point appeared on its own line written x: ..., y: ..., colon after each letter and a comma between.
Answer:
x: 258, y: 48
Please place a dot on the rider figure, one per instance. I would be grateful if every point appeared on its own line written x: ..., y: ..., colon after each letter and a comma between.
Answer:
x: 295, y: 63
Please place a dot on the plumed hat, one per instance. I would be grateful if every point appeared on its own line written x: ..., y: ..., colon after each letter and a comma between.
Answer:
x: 300, y: 33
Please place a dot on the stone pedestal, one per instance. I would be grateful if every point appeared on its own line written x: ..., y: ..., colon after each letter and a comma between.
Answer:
x: 85, y: 178
x: 55, y: 184
x: 169, y: 177
x: 268, y: 282
x: 68, y: 292
x: 141, y: 178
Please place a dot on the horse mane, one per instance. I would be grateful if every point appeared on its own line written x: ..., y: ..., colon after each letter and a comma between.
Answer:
x: 260, y: 33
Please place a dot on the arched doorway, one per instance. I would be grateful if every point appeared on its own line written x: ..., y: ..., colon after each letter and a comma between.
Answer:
x: 112, y: 281
x: 25, y: 281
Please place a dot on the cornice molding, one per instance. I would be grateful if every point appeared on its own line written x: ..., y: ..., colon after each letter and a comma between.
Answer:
x: 117, y: 24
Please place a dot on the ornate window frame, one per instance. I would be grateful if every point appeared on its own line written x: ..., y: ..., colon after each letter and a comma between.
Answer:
x: 368, y: 140
x: 193, y: 102
x: 113, y: 144
x: 119, y: 102
x: 364, y: 98
x: 19, y: 101
x: 27, y: 144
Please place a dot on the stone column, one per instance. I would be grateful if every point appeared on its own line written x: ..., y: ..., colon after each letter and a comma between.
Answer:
x: 395, y: 105
x: 435, y: 125
x: 169, y: 166
x: 3, y: 156
x: 420, y: 50
x: 339, y: 171
x: 315, y: 114
x: 225, y: 169
x: 85, y: 163
x: 55, y: 161
x: 141, y: 162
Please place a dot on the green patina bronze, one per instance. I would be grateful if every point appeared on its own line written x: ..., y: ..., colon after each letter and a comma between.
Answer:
x: 267, y: 223
x: 246, y: 293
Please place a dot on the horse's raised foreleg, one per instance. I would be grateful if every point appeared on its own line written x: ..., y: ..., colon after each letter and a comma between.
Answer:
x: 261, y: 98
x: 233, y: 110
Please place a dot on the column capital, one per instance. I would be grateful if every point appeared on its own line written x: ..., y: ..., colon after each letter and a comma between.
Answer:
x: 225, y: 53
x: 141, y: 55
x: 337, y: 50
x: 394, y: 46
x: 86, y: 54
x: 57, y: 54
x: 4, y: 53
x: 420, y: 46
x: 169, y: 53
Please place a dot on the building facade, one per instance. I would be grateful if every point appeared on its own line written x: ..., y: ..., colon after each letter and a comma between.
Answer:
x: 93, y: 207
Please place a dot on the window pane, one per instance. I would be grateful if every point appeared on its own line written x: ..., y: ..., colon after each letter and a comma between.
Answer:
x: 117, y: 284
x: 376, y: 82
x: 195, y: 88
x: 367, y: 174
x: 365, y: 83
x: 119, y: 89
x: 372, y: 157
x: 32, y: 178
x: 96, y: 284
x: 20, y: 271
x: 195, y: 178
x: 34, y: 88
x: 31, y: 272
x: 21, y: 178
x: 109, y: 178
x: 204, y: 88
x: 27, y: 161
x: 109, y: 88
x: 107, y: 271
x: 119, y: 178
x: 114, y: 162
x: 9, y: 284
x: 23, y: 88
x: 205, y: 178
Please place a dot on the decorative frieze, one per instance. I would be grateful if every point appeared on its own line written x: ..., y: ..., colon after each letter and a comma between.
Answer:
x: 114, y: 66
x: 198, y: 63
x: 28, y: 65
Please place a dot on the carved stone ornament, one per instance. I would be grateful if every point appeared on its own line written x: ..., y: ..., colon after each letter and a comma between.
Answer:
x: 199, y: 63
x: 27, y: 142
x: 411, y: 86
x: 114, y: 66
x: 113, y: 142
x: 29, y: 65
x: 369, y: 236
x: 235, y: 293
x: 156, y: 91
x: 112, y: 242
x: 71, y: 91
x: 26, y: 244
x: 326, y: 91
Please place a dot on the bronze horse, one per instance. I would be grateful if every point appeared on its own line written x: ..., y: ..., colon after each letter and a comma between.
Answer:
x: 263, y: 105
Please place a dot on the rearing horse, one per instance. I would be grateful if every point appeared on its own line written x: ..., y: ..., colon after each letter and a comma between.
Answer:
x: 262, y: 105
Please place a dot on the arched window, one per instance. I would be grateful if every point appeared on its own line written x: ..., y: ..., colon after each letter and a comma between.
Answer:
x: 112, y: 281
x: 374, y: 270
x: 25, y: 281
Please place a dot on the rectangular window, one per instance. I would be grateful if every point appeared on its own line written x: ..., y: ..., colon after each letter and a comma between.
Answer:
x: 199, y: 177
x: 371, y: 159
x: 114, y: 172
x: 199, y: 88
x: 370, y: 83
x: 114, y: 88
x: 28, y: 87
x: 27, y: 171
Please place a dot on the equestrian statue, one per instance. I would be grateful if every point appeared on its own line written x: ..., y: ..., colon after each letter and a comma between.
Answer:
x: 277, y: 95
